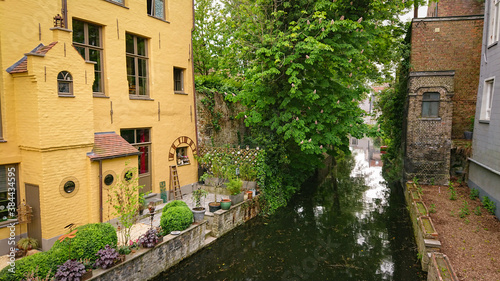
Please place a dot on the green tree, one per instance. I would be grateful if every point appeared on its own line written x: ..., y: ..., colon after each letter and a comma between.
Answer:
x: 305, y: 66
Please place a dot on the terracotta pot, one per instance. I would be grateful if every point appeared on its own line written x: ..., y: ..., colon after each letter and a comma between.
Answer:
x: 87, y: 275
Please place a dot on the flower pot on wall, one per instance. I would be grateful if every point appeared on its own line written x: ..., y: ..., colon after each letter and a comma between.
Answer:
x: 213, y: 206
x: 225, y: 204
x: 238, y: 198
x: 198, y: 214
x: 468, y: 135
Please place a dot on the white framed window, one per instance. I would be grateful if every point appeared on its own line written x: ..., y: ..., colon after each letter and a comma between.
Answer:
x: 493, y: 21
x: 487, y: 101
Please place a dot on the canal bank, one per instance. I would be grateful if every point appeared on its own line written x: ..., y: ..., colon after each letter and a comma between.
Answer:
x: 362, y: 231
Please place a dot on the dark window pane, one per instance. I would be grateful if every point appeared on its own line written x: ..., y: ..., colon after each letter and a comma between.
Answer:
x: 143, y: 84
x: 95, y: 56
x: 141, y: 46
x: 128, y: 135
x: 159, y: 9
x: 430, y: 109
x: 78, y: 34
x: 93, y: 31
x: 142, y: 135
x: 131, y: 85
x: 150, y: 7
x: 142, y: 67
x: 431, y: 96
x: 69, y: 186
x: 96, y: 87
x: 144, y: 159
x: 81, y: 50
x: 108, y: 179
x: 129, y: 41
x: 130, y: 66
x: 64, y: 87
x: 178, y: 79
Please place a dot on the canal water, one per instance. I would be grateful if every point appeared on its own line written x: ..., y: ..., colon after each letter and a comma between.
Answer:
x: 360, y: 232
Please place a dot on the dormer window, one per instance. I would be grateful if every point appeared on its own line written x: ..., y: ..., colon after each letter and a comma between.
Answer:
x: 65, y: 84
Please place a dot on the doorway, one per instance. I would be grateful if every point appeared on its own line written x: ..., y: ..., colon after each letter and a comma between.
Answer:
x: 33, y: 200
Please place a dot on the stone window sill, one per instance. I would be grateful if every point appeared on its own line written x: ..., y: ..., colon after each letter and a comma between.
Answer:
x: 159, y: 18
x: 100, y: 96
x: 66, y: 96
x: 493, y: 44
x: 180, y: 93
x: 484, y: 121
x: 117, y: 3
x: 6, y: 223
x: 430, y: 119
x: 132, y: 97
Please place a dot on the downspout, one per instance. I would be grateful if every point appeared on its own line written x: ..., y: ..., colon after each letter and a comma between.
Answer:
x: 194, y: 90
x: 100, y: 191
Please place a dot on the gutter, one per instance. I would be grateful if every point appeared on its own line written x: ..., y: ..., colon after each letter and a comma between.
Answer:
x: 194, y: 89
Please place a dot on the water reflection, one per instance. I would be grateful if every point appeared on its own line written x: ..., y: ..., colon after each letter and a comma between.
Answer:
x: 359, y: 232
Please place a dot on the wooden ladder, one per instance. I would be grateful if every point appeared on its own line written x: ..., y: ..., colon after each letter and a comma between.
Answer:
x: 174, y: 183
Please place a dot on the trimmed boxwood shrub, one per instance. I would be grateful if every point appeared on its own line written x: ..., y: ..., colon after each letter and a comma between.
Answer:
x: 89, y: 239
x: 45, y: 261
x: 175, y: 203
x: 176, y: 218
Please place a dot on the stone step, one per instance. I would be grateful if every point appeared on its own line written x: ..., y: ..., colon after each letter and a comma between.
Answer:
x: 208, y: 232
x: 209, y: 240
x: 156, y: 201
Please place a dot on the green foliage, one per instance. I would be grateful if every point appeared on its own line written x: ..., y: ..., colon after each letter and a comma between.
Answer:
x: 176, y: 218
x: 174, y: 203
x: 124, y: 250
x: 89, y: 239
x: 248, y: 172
x: 474, y: 194
x: 198, y: 194
x: 477, y: 211
x: 46, y: 262
x: 464, y: 210
x: 303, y: 67
x: 432, y: 181
x: 126, y: 201
x: 489, y: 205
x: 234, y: 186
x: 26, y: 243
x: 432, y: 209
x: 451, y: 190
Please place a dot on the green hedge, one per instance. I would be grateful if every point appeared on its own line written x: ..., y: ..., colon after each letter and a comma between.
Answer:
x: 89, y: 239
x: 175, y: 203
x: 176, y: 218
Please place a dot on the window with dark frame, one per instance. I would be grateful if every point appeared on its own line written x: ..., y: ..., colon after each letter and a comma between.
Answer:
x: 178, y: 80
x: 87, y: 41
x: 8, y: 183
x: 156, y: 8
x: 64, y: 84
x: 137, y: 65
x: 140, y: 139
x: 430, y: 105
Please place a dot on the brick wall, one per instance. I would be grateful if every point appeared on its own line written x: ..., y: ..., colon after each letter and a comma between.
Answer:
x: 448, y: 8
x: 439, y: 45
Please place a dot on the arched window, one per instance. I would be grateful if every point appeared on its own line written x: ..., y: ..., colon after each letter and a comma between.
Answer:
x: 64, y: 84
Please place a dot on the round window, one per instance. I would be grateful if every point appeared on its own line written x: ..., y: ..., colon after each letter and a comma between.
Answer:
x: 128, y: 176
x: 69, y: 186
x: 108, y: 179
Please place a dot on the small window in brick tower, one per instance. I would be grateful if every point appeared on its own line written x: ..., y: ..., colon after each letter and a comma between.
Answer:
x: 430, y: 105
x: 182, y: 157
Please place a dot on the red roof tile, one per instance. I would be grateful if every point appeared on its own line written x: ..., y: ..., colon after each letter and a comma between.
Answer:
x: 110, y: 145
x: 22, y: 64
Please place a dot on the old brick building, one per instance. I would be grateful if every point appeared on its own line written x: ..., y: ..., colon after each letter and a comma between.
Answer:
x: 445, y: 60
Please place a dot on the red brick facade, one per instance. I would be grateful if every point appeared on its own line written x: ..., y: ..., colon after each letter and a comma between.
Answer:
x: 448, y: 44
x: 450, y: 8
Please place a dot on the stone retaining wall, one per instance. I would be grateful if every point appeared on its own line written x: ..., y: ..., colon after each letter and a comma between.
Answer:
x: 148, y: 263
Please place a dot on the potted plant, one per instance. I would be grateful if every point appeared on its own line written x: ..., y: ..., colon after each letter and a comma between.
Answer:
x: 468, y: 134
x: 149, y: 239
x: 107, y: 257
x: 70, y: 270
x: 225, y: 204
x: 198, y: 210
x: 234, y: 187
x: 88, y: 267
x: 248, y: 174
x: 26, y: 244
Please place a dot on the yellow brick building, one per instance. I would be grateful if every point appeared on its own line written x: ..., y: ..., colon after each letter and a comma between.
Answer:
x: 90, y: 89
